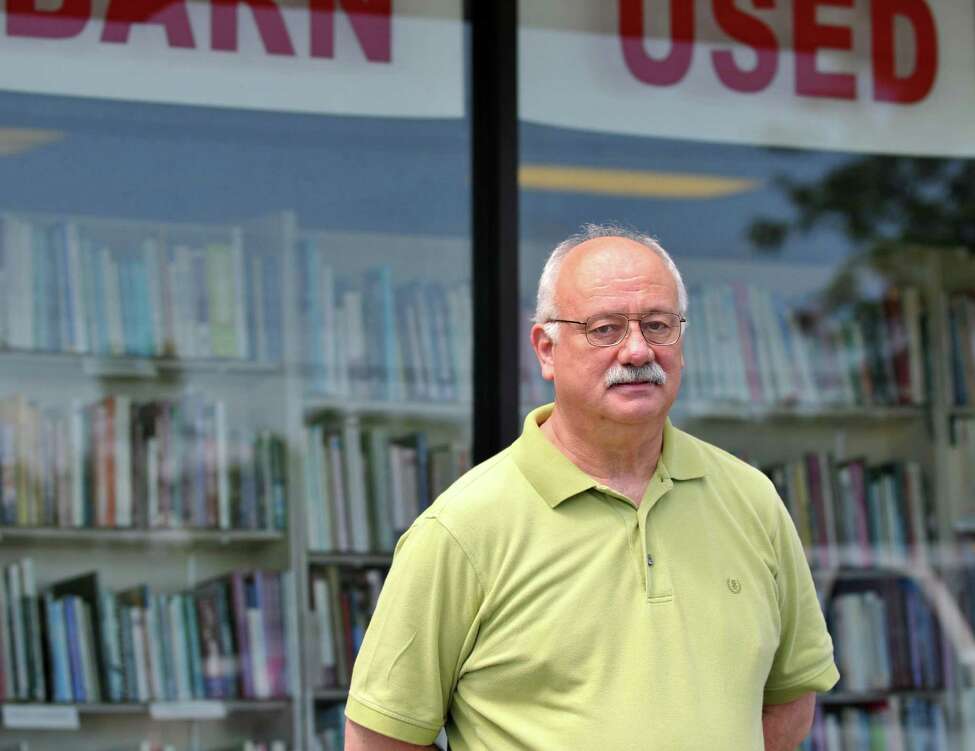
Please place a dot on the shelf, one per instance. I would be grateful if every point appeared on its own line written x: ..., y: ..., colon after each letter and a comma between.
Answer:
x: 49, y: 716
x: 841, y: 698
x: 229, y: 707
x: 175, y: 537
x: 772, y: 413
x: 350, y: 559
x: 451, y: 412
x: 104, y: 366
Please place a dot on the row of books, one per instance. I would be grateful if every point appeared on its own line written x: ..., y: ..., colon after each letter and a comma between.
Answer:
x: 855, y: 513
x: 365, y: 487
x: 746, y: 345
x: 897, y: 724
x: 368, y: 338
x: 149, y: 464
x: 78, y: 642
x: 69, y: 288
x: 887, y: 637
x: 343, y: 601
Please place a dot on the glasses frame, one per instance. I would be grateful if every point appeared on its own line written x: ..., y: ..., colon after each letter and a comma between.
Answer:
x: 626, y: 332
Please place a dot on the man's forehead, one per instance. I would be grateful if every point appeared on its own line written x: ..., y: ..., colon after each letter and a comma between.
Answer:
x: 613, y: 264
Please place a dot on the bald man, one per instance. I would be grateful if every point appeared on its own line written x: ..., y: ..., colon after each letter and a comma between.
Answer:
x: 607, y: 581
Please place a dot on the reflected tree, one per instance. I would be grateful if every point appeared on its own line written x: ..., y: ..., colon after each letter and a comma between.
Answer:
x: 877, y: 200
x: 882, y: 204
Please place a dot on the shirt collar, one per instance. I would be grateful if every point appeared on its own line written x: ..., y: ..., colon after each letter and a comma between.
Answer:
x: 556, y: 479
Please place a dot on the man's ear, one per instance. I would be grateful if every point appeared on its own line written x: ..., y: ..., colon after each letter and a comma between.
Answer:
x: 544, y: 350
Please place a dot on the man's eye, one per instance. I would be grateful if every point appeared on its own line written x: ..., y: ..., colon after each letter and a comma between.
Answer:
x: 609, y: 328
x: 655, y: 326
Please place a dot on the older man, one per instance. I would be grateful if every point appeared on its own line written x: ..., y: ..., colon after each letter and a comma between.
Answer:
x: 607, y: 581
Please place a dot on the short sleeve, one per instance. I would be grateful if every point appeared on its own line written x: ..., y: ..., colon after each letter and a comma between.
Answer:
x: 423, y: 629
x: 803, y: 661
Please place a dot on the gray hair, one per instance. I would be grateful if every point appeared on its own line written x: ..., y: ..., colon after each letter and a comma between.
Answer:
x: 546, y: 308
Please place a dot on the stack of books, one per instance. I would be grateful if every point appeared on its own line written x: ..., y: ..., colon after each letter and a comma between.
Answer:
x: 887, y: 637
x: 360, y: 498
x: 66, y: 288
x: 896, y: 724
x: 855, y: 513
x: 343, y: 601
x: 117, y: 463
x: 77, y: 642
x: 367, y: 338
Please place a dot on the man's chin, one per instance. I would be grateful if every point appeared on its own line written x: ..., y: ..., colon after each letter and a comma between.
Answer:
x: 636, y: 402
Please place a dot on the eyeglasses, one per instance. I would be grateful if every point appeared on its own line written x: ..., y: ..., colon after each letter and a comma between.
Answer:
x: 609, y: 329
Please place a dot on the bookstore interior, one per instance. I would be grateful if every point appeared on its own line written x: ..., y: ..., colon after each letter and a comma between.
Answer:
x: 236, y: 325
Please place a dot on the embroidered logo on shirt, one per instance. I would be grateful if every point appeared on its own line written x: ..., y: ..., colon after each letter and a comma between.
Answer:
x: 734, y: 586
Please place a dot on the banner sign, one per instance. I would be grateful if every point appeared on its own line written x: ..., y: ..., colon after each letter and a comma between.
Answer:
x: 889, y: 76
x: 354, y: 57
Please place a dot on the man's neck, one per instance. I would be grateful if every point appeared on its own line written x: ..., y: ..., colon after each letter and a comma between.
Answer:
x: 621, y: 457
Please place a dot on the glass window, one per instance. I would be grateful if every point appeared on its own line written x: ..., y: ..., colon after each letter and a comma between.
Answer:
x: 234, y: 353
x: 800, y: 166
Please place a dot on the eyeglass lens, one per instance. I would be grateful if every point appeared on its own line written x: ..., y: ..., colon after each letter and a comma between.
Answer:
x: 657, y: 328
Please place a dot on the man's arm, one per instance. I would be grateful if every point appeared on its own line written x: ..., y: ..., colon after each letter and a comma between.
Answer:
x: 786, y: 725
x: 358, y: 738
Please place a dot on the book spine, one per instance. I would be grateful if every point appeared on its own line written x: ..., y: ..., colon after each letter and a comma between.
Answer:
x: 182, y: 679
x: 32, y: 627
x: 209, y: 635
x: 86, y: 643
x: 154, y: 648
x: 222, y: 468
x: 194, y: 647
x: 113, y: 667
x: 130, y: 679
x: 245, y: 647
x: 60, y: 682
x: 72, y: 630
x: 8, y: 687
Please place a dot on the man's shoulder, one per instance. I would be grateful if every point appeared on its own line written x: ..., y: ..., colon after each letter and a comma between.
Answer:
x: 477, y: 495
x: 721, y: 460
x: 727, y: 472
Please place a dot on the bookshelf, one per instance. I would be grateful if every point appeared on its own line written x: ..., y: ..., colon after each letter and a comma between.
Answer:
x: 145, y: 407
x: 388, y: 461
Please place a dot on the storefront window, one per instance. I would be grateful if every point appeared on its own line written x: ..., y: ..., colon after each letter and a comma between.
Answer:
x: 234, y: 352
x: 803, y: 166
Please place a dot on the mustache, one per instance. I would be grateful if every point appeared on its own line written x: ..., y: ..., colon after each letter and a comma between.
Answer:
x: 651, y: 372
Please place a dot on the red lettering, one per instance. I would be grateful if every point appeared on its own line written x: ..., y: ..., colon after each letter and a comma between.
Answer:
x: 267, y: 15
x: 171, y: 14
x: 371, y: 21
x: 25, y: 20
x: 674, y: 66
x: 811, y: 36
x: 887, y: 86
x: 757, y: 35
x: 322, y: 27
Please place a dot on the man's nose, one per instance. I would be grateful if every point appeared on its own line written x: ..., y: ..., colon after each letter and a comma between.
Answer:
x: 634, y: 350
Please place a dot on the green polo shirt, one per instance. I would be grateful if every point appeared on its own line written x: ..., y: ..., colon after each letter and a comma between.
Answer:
x: 521, y: 610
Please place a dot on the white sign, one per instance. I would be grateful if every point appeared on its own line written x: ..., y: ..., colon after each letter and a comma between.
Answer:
x: 40, y: 717
x: 858, y: 75
x: 187, y: 710
x: 353, y: 57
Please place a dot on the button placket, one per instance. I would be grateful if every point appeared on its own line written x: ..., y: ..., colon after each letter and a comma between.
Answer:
x: 658, y: 583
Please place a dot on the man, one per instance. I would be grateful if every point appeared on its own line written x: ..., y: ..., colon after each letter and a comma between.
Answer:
x: 608, y: 581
